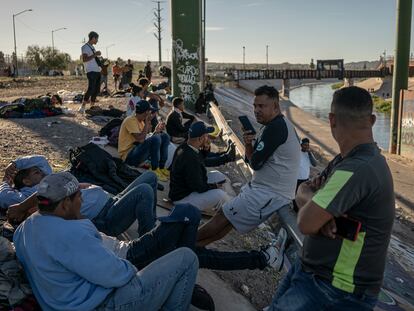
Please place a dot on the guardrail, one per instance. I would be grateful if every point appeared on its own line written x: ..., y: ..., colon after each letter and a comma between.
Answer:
x: 251, y: 74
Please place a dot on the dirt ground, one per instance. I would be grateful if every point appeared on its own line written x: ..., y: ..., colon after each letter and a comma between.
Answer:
x: 54, y: 136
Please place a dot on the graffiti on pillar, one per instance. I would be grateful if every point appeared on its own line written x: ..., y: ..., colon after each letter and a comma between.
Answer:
x: 187, y: 72
x: 407, y: 125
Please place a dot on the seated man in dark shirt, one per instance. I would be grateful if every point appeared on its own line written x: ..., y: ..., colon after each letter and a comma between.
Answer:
x: 189, y: 180
x: 178, y: 130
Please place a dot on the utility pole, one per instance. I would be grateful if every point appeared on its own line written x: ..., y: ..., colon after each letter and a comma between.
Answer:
x: 400, y: 74
x: 244, y: 57
x: 267, y: 57
x: 16, y: 73
x: 53, y: 40
x: 203, y: 45
x: 158, y: 29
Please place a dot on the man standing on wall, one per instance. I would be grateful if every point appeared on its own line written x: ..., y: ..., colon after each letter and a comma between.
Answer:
x: 93, y: 70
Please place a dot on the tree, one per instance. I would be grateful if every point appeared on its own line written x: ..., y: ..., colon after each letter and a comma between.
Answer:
x: 45, y: 59
x: 312, y: 64
x: 34, y: 57
x: 2, y: 60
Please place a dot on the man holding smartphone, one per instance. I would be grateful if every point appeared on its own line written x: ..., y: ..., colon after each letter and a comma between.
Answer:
x: 274, y: 157
x: 334, y: 273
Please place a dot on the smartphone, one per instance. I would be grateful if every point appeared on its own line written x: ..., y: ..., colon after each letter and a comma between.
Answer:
x: 347, y: 228
x: 247, y: 125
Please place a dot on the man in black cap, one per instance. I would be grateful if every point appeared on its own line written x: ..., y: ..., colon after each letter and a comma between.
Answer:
x: 189, y: 180
x: 137, y: 143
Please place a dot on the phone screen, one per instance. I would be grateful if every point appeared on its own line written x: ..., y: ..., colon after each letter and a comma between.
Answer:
x: 247, y: 125
x: 347, y: 228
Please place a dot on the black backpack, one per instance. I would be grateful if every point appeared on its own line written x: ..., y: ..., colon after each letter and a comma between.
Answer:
x: 92, y: 164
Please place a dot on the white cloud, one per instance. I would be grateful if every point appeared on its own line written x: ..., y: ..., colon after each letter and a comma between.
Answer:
x: 214, y: 28
x: 138, y: 3
x: 253, y: 4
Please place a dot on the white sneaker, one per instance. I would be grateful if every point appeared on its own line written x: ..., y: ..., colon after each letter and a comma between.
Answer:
x: 274, y: 253
x: 82, y: 109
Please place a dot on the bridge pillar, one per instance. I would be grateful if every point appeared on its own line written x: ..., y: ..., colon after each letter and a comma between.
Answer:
x: 186, y: 49
x: 286, y: 88
x: 348, y: 82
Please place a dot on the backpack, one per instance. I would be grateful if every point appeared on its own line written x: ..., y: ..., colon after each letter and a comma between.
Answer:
x: 107, y: 128
x: 93, y: 164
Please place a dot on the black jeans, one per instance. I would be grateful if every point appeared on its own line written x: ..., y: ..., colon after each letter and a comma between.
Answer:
x: 179, y: 229
x: 214, y: 159
x: 94, y: 84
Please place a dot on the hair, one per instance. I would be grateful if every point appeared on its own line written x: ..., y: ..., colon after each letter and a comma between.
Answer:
x: 351, y: 105
x: 18, y: 179
x: 305, y: 140
x: 135, y: 89
x: 51, y: 206
x: 92, y: 35
x: 143, y: 81
x: 177, y: 101
x: 59, y: 99
x: 269, y: 91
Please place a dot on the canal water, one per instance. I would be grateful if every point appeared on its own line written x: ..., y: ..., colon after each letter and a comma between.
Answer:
x: 316, y: 99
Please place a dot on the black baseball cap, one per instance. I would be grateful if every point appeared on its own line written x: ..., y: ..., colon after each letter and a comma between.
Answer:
x: 199, y: 128
x: 142, y: 106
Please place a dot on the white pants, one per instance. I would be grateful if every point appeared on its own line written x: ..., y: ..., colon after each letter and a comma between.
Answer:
x: 171, y: 152
x: 211, y: 200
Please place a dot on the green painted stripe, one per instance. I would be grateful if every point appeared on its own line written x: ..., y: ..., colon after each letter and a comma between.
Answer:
x: 343, y: 272
x: 335, y: 183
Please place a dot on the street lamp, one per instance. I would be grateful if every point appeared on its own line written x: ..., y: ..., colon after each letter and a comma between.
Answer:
x: 16, y: 73
x: 107, y: 47
x: 267, y: 57
x: 244, y: 57
x: 53, y: 41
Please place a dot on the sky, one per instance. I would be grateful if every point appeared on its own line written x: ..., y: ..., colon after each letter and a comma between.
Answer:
x: 295, y: 30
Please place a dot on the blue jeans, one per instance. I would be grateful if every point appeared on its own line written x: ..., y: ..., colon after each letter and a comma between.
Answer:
x: 303, y: 291
x: 154, y: 147
x: 136, y: 202
x: 179, y: 229
x: 166, y: 284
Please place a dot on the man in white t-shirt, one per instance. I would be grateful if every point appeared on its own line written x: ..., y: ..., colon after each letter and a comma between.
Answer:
x: 307, y: 159
x: 93, y: 71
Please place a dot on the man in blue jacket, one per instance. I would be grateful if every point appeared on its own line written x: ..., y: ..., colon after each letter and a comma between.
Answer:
x: 110, y: 215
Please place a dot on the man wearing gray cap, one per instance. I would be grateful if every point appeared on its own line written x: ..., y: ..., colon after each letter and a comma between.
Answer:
x: 110, y: 215
x: 70, y: 268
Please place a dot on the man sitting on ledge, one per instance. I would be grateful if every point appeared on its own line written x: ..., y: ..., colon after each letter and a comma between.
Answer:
x: 274, y: 158
x: 178, y: 130
x: 189, y: 179
x: 136, y: 143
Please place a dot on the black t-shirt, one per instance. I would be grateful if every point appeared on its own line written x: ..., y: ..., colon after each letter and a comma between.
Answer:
x: 128, y: 74
x: 188, y: 173
x: 360, y: 186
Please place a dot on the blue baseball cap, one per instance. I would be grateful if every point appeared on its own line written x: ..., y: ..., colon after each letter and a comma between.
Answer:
x: 142, y: 106
x: 199, y: 128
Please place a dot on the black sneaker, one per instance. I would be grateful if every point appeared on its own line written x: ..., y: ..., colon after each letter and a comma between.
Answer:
x: 231, y: 154
x: 201, y: 299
